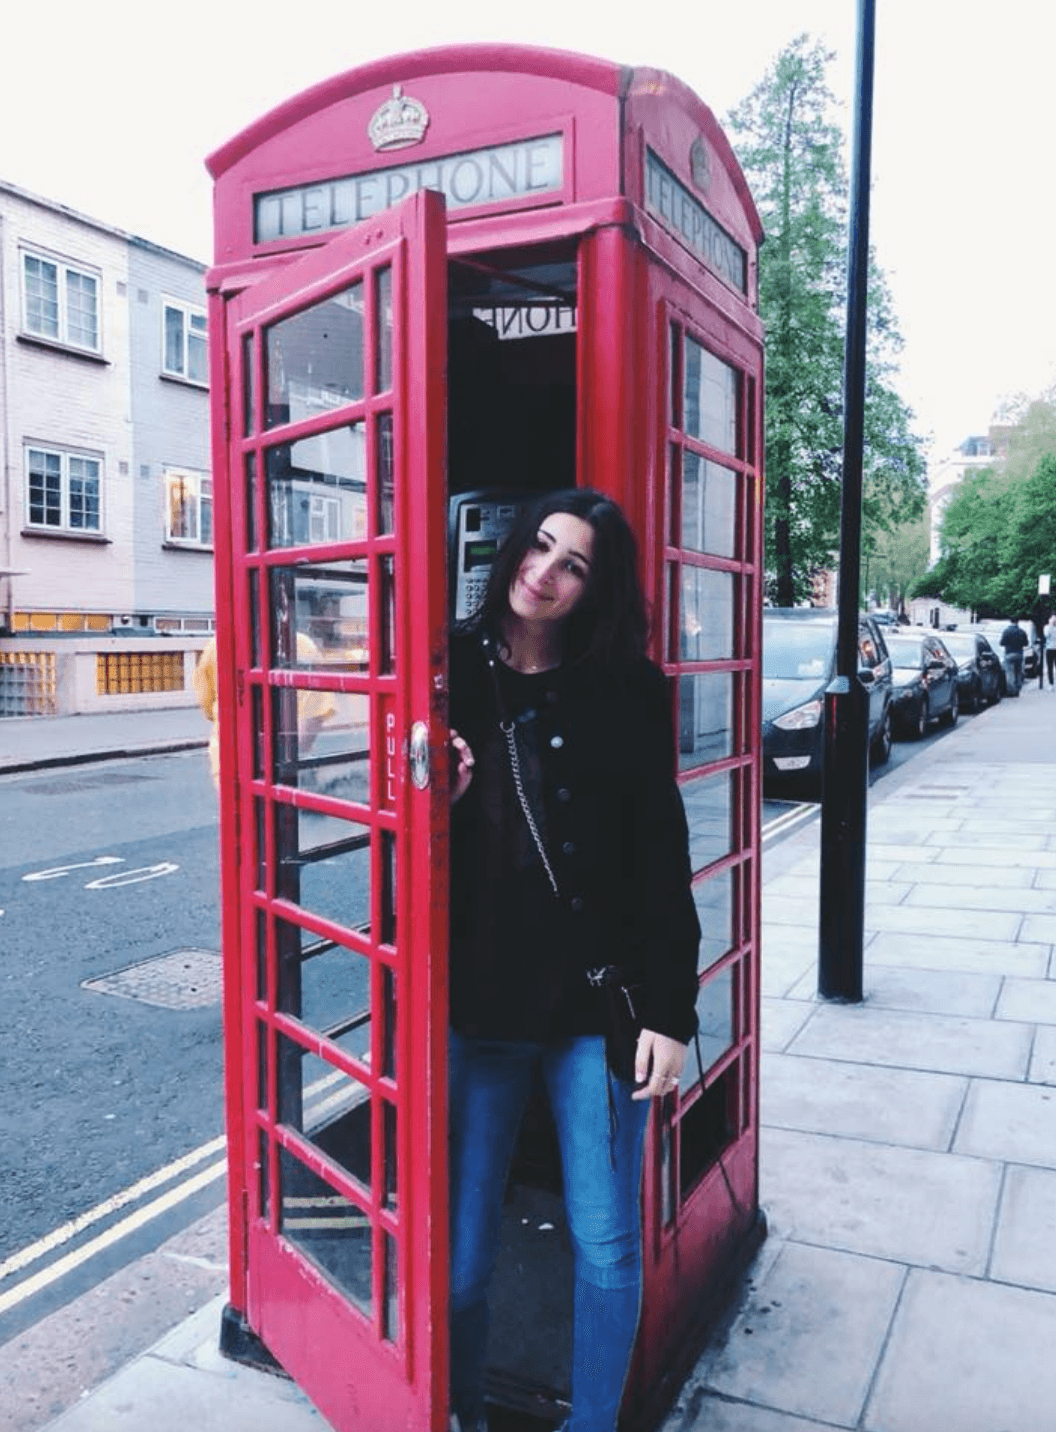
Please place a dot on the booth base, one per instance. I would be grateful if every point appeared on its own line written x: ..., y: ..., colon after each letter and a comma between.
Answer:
x: 239, y: 1343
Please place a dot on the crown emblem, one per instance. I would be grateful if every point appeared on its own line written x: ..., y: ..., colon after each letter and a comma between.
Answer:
x: 398, y: 121
x: 700, y: 164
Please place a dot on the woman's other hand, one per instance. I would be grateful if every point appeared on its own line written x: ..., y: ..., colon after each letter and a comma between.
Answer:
x: 658, y: 1065
x: 461, y: 766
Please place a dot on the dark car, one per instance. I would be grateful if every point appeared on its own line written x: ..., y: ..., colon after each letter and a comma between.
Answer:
x: 992, y: 629
x: 979, y: 674
x: 925, y: 682
x: 799, y: 661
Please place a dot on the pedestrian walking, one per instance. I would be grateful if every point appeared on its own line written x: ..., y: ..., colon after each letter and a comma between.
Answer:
x: 570, y: 876
x: 1014, y: 640
x: 1048, y: 634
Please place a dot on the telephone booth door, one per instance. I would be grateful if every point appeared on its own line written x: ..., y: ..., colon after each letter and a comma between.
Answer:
x: 337, y: 629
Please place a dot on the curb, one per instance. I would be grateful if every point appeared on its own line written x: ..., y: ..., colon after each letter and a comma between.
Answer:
x: 84, y: 758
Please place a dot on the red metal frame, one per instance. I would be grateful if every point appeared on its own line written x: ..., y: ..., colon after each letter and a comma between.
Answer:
x: 638, y: 281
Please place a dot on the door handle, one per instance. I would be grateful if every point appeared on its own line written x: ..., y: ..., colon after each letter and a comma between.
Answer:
x: 418, y: 755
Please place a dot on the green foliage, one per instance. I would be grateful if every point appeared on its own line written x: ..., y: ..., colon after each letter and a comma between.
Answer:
x: 791, y: 155
x: 894, y: 562
x: 999, y: 528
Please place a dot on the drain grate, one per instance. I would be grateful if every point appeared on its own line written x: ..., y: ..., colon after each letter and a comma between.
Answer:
x: 182, y: 979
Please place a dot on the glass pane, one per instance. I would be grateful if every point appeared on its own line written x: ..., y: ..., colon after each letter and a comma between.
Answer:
x: 324, y: 865
x: 263, y: 1175
x: 262, y: 956
x: 385, y: 489
x: 388, y: 1112
x: 173, y: 340
x: 319, y: 618
x: 710, y: 398
x: 317, y: 489
x: 248, y: 386
x: 714, y: 901
x: 387, y: 655
x: 314, y: 360
x: 327, y: 1229
x: 327, y: 1106
x: 255, y: 642
x: 251, y: 502
x: 391, y: 1329
x: 262, y: 1065
x: 715, y: 1013
x: 709, y: 807
x: 383, y: 337
x: 322, y: 742
x: 388, y: 1009
x: 707, y: 614
x: 705, y: 718
x: 387, y: 934
x: 260, y: 827
x: 326, y: 986
x: 709, y: 506
x: 676, y: 384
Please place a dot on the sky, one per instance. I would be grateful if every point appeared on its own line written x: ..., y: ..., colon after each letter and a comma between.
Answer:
x: 111, y: 107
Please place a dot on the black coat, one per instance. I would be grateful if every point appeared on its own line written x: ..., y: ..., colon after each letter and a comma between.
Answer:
x: 616, y: 836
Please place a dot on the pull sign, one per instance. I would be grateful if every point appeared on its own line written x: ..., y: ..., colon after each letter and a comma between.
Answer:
x: 419, y: 755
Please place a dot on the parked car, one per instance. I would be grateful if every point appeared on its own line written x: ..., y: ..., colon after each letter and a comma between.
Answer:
x: 799, y: 661
x: 980, y: 675
x: 925, y: 682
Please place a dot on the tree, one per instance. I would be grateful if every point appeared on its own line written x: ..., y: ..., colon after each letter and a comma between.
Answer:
x: 791, y: 155
x: 894, y: 561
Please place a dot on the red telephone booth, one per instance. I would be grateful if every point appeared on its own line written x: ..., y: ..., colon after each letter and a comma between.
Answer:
x: 443, y: 282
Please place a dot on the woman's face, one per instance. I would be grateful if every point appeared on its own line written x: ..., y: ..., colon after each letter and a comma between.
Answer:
x: 554, y: 571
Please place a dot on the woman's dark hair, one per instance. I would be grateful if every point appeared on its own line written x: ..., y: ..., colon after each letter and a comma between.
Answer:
x: 608, y: 625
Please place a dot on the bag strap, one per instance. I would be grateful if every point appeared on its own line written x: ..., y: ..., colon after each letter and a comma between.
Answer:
x: 509, y: 731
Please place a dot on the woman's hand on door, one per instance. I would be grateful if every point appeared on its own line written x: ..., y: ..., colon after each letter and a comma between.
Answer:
x: 658, y: 1065
x: 461, y: 766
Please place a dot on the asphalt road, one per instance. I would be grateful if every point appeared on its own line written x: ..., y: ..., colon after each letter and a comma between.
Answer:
x: 103, y: 1088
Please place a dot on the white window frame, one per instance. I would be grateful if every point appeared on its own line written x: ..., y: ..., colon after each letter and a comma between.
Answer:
x: 180, y: 368
x: 65, y: 269
x: 198, y: 496
x: 74, y: 466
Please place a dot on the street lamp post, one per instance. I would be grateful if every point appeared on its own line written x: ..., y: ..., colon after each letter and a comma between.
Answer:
x: 841, y: 924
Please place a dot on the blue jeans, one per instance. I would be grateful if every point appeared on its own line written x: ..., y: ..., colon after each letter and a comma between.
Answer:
x: 488, y: 1086
x: 1014, y: 672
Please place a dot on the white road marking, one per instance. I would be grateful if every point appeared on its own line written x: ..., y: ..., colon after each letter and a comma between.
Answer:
x: 798, y: 815
x: 132, y: 877
x: 58, y: 871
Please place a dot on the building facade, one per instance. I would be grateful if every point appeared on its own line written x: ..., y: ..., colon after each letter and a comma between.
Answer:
x: 106, y: 584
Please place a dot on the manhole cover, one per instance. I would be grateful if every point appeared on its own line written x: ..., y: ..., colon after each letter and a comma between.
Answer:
x: 182, y: 979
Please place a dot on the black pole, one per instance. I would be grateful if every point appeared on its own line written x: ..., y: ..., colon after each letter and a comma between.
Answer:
x: 841, y: 924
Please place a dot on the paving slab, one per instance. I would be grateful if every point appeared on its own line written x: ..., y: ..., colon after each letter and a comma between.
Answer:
x: 1038, y: 929
x: 958, y: 923
x: 1030, y: 1000
x: 896, y: 854
x: 944, y: 1043
x: 809, y: 1335
x: 860, y: 1101
x: 1043, y: 1059
x: 705, y: 1413
x: 937, y: 873
x: 1015, y: 1122
x: 781, y: 1020
x: 794, y: 910
x: 786, y: 965
x: 942, y: 952
x: 967, y: 1356
x: 997, y: 857
x: 1025, y: 1242
x: 989, y: 896
x: 908, y: 1205
x: 925, y: 991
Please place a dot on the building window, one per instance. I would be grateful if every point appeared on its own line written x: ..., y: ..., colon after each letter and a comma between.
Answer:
x: 189, y: 508
x: 183, y: 345
x: 63, y: 490
x: 60, y: 302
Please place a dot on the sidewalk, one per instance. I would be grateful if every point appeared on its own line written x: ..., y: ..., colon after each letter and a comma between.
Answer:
x: 908, y: 1166
x: 29, y: 743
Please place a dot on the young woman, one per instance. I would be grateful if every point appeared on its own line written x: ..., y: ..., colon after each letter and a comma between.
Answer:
x: 569, y: 853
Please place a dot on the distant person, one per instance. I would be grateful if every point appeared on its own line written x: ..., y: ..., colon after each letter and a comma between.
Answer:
x: 1048, y: 633
x: 1015, y: 641
x: 313, y: 707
